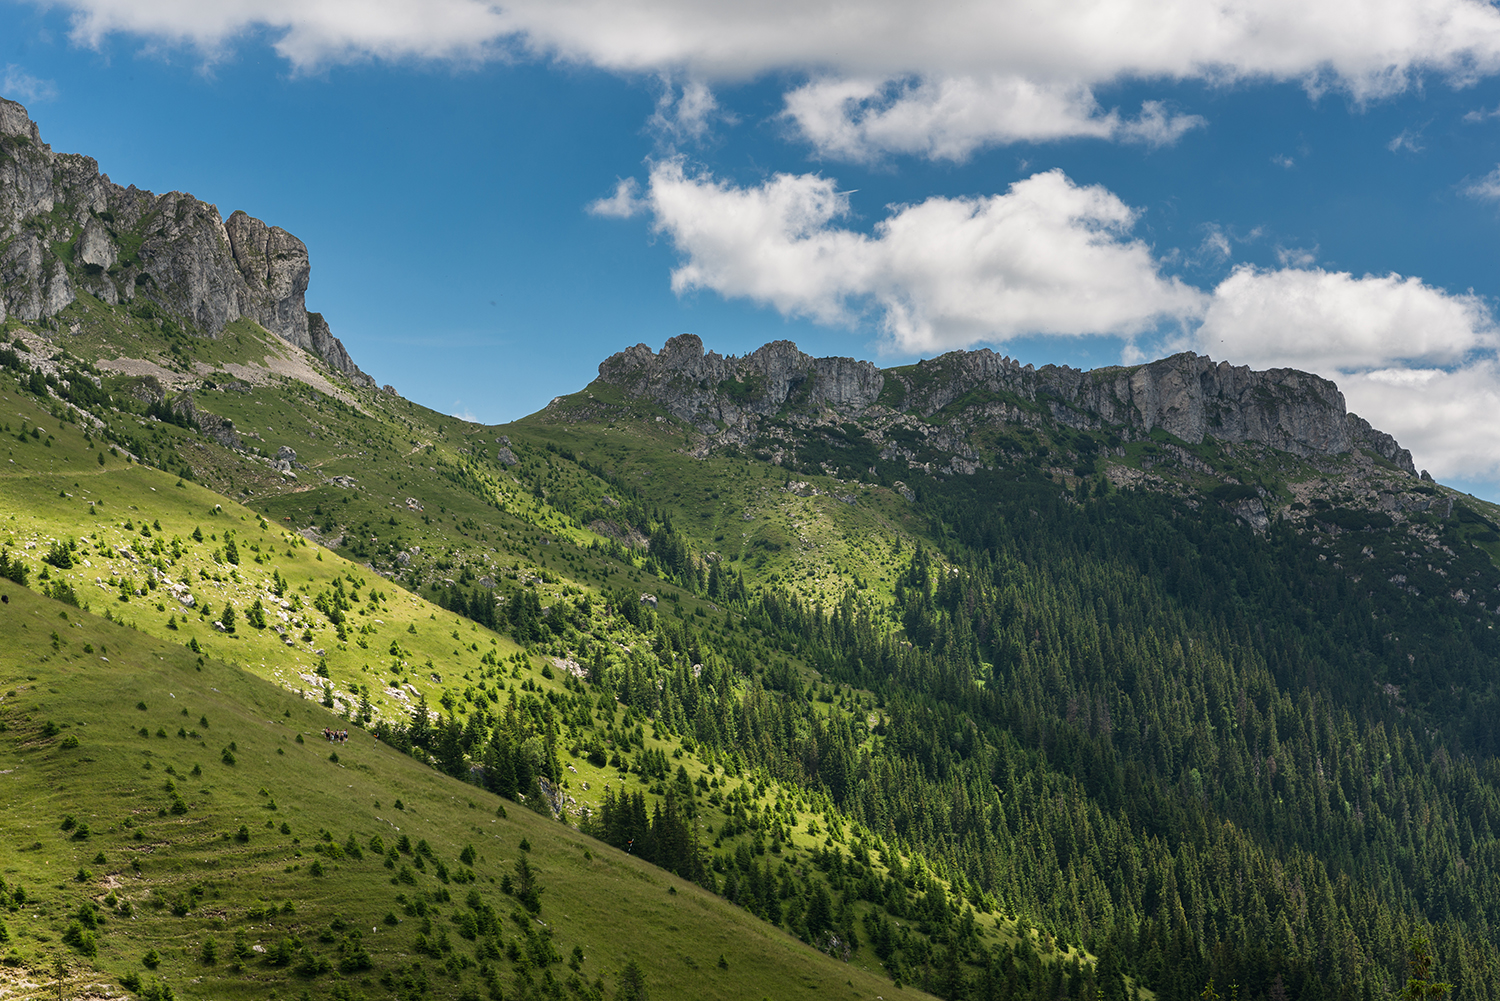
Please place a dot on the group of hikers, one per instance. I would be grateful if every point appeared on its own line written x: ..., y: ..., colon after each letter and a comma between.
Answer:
x: 335, y: 736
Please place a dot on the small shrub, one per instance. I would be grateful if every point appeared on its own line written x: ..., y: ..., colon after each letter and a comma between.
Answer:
x: 282, y: 952
x: 151, y: 960
x: 243, y: 834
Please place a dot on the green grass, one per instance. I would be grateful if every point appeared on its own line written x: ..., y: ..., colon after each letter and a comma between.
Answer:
x: 72, y: 747
x: 131, y: 525
x: 529, y: 525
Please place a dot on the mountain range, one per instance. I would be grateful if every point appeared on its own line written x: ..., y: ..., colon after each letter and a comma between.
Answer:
x: 962, y: 677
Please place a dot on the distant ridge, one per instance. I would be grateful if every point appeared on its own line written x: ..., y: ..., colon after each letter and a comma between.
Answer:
x: 1187, y: 395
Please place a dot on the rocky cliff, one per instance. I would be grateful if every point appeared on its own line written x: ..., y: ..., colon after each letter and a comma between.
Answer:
x: 1187, y: 395
x: 66, y: 228
x: 695, y: 386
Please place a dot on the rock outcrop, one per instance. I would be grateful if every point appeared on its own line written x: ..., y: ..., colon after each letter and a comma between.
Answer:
x: 220, y: 429
x: 1188, y: 395
x: 700, y: 387
x: 66, y: 228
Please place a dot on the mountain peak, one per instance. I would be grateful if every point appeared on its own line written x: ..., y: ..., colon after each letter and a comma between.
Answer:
x: 68, y: 229
x: 14, y: 121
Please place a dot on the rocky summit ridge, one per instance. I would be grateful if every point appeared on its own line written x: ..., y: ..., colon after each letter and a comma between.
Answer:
x: 66, y: 228
x: 1187, y: 395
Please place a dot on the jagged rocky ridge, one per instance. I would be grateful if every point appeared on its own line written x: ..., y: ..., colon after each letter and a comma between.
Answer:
x: 1188, y: 395
x: 66, y: 228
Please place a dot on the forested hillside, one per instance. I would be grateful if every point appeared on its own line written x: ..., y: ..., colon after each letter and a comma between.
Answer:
x: 963, y: 676
x: 1080, y: 719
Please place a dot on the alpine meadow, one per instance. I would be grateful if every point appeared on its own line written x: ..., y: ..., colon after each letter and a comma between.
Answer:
x: 766, y: 676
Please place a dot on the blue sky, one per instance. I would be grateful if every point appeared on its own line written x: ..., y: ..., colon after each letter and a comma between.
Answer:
x: 496, y: 197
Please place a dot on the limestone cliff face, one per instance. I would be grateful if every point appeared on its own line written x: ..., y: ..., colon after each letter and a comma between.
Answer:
x: 65, y: 228
x: 1188, y: 395
x: 700, y: 387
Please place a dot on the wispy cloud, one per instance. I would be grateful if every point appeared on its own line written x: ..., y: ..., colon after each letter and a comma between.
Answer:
x: 687, y: 113
x: 1215, y: 245
x: 623, y: 203
x: 1296, y: 257
x: 18, y: 85
x: 1407, y: 139
x: 1284, y: 161
x: 1487, y: 188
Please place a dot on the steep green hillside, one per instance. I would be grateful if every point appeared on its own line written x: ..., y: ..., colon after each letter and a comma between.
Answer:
x: 178, y: 826
x: 164, y: 557
x: 964, y: 694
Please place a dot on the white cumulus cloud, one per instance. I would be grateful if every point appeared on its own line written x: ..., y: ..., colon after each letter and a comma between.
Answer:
x: 1446, y: 417
x: 309, y: 33
x: 1046, y: 257
x: 1330, y: 322
x: 1369, y: 47
x: 948, y: 118
x: 887, y: 75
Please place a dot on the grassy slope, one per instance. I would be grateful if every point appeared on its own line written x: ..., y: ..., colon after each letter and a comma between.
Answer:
x: 116, y: 776
x: 775, y: 526
x: 56, y: 490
